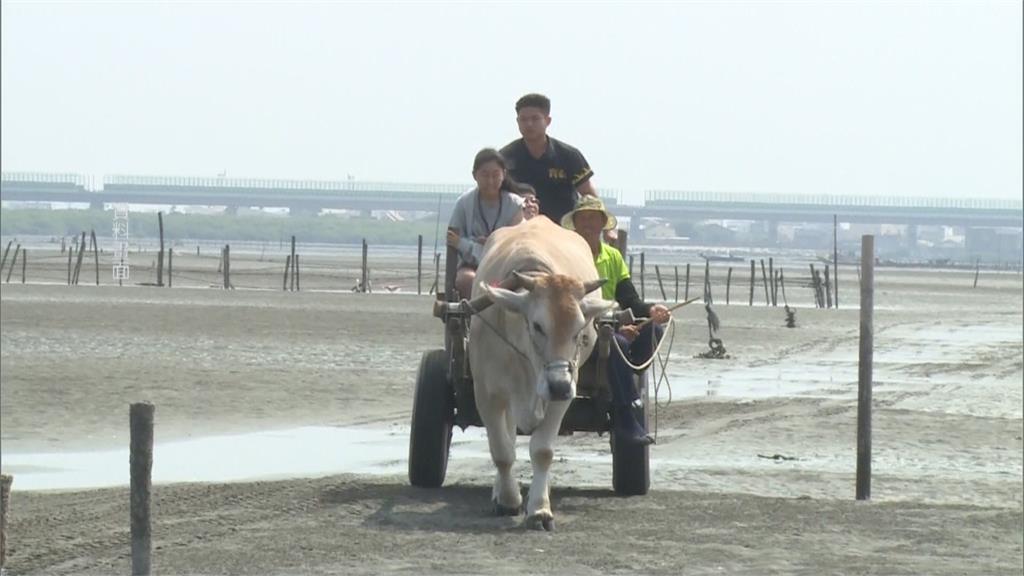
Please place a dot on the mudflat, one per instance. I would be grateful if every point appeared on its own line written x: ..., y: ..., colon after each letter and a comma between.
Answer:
x: 753, y: 470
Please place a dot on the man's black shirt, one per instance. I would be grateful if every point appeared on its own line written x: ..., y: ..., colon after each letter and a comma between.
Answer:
x: 555, y: 175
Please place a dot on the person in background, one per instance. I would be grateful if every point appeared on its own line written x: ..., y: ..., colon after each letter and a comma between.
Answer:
x: 590, y: 220
x: 557, y: 171
x: 530, y: 206
x: 492, y: 204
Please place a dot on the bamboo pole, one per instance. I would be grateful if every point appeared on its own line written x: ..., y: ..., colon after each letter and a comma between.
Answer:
x: 686, y: 293
x: 140, y: 416
x: 14, y: 260
x: 643, y: 294
x: 835, y: 256
x: 676, y: 269
x: 657, y: 272
x: 707, y: 283
x: 160, y: 254
x: 782, y: 284
x: 95, y: 255
x: 828, y: 287
x: 865, y: 367
x: 728, y: 285
x: 764, y: 278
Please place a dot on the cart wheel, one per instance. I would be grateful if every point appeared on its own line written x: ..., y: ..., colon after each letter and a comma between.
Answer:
x: 433, y: 412
x: 631, y: 464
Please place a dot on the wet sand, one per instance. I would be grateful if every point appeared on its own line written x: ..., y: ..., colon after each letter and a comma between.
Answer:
x: 946, y: 492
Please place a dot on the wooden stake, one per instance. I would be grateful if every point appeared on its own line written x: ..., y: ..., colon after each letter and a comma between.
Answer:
x: 298, y: 277
x: 24, y: 261
x: 287, y: 268
x: 751, y: 282
x: 657, y: 272
x: 366, y: 273
x: 140, y: 417
x: 17, y: 250
x: 69, y: 265
x: 8, y: 249
x: 977, y: 270
x: 865, y: 367
x: 170, y: 267
x: 78, y: 262
x: 293, y: 265
x: 771, y: 274
x: 5, y: 508
x: 419, y: 265
x: 828, y: 287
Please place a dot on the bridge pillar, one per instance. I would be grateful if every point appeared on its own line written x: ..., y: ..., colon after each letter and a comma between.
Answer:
x: 910, y: 237
x: 771, y: 230
x: 304, y: 211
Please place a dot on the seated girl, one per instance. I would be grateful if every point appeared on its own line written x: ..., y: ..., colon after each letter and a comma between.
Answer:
x: 492, y: 204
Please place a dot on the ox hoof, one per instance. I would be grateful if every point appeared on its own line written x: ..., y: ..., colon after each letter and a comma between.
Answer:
x: 502, y: 510
x: 541, y: 522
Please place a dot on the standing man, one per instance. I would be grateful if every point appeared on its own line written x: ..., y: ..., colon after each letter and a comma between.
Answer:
x: 556, y: 170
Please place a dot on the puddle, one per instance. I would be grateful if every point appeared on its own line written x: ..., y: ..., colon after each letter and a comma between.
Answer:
x: 295, y: 453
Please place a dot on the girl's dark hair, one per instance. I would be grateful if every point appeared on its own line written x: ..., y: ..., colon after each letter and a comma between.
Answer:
x: 491, y: 155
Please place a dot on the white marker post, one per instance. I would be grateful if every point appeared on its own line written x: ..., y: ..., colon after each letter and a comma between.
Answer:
x: 120, y: 243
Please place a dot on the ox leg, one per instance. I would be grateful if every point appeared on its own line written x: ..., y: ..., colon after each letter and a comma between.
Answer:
x: 538, y: 507
x: 505, y: 495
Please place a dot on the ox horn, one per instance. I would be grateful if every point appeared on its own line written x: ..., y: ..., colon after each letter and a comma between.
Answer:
x: 593, y: 285
x: 525, y: 281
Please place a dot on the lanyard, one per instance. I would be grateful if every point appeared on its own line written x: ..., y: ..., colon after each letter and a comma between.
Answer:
x: 488, y: 227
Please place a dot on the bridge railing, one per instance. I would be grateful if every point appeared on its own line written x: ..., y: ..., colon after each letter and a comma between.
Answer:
x: 44, y: 178
x: 670, y: 197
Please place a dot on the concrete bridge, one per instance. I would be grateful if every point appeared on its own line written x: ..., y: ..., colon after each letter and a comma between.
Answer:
x: 309, y: 197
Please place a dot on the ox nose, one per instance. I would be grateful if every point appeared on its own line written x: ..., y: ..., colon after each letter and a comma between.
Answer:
x: 559, y: 377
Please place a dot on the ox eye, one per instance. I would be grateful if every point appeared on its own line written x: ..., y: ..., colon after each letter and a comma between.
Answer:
x: 538, y: 329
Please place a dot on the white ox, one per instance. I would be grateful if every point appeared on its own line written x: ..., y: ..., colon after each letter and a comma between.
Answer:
x: 525, y: 351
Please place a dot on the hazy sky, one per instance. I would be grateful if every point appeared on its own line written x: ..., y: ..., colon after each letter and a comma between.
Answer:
x: 900, y: 98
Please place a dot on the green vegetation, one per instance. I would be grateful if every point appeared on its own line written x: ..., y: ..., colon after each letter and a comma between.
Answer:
x: 250, y: 227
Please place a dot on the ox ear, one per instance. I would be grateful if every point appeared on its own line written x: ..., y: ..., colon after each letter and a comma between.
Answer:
x: 594, y: 307
x: 515, y: 301
x: 593, y: 285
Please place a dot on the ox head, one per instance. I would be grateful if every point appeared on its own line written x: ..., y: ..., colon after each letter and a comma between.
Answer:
x: 559, y: 318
